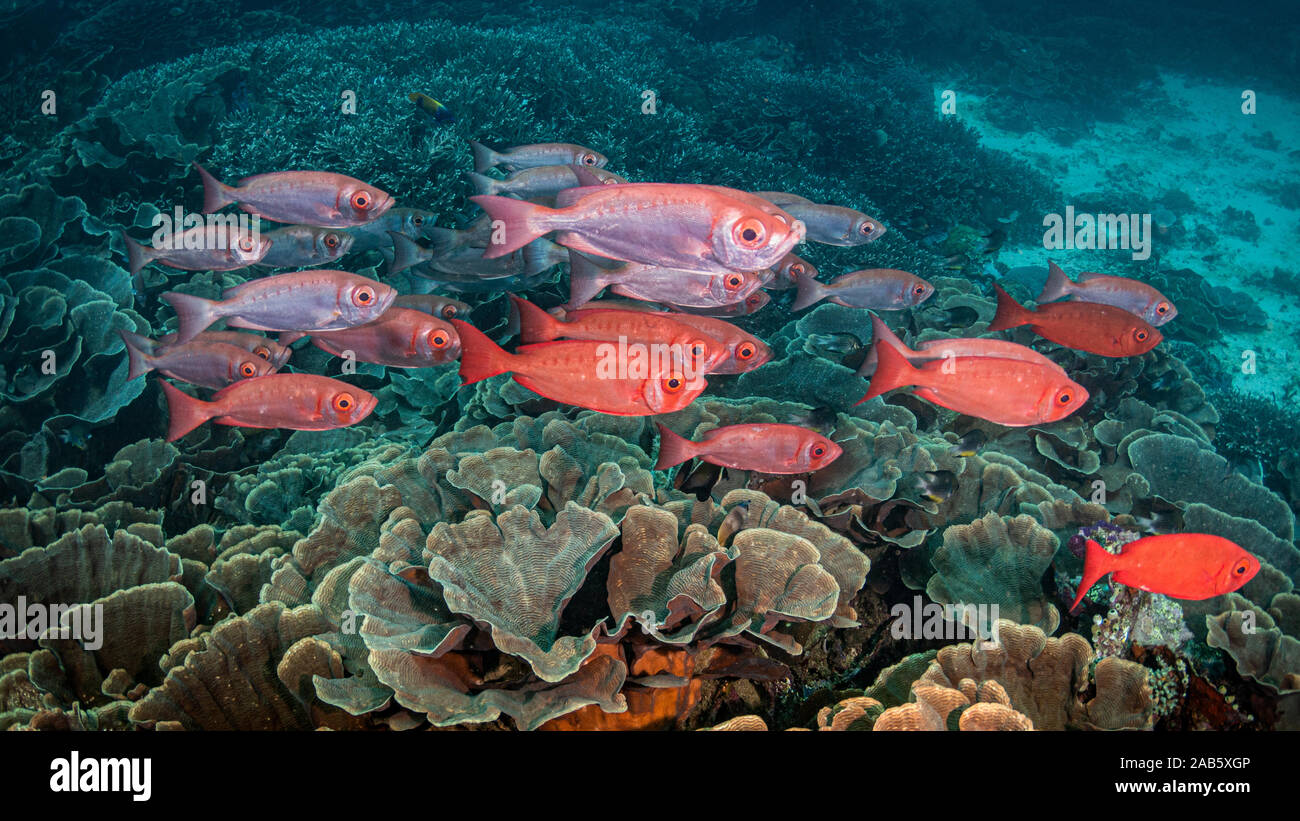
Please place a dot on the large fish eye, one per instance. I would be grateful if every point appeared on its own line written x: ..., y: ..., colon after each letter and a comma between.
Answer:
x: 361, y: 200
x: 732, y: 282
x: 417, y: 221
x: 1242, y: 567
x: 331, y: 240
x: 746, y: 351
x: 1162, y: 308
x: 754, y: 300
x: 750, y: 232
x: 588, y: 159
x: 364, y: 296
x: 246, y: 243
x: 699, y: 350
x: 449, y: 311
x: 343, y: 402
x: 919, y: 290
x: 674, y: 384
x: 248, y: 370
x: 797, y: 269
x: 262, y: 351
x: 1140, y: 335
x: 867, y: 227
x: 439, y: 338
x: 1064, y: 397
x: 819, y: 450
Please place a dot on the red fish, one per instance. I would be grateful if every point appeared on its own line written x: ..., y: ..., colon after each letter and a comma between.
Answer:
x: 933, y: 349
x: 209, y: 364
x: 1130, y: 294
x: 402, y: 338
x: 321, y: 300
x: 766, y: 448
x: 668, y: 225
x: 701, y: 351
x: 1010, y: 392
x: 320, y: 198
x: 578, y: 372
x: 297, y: 401
x: 745, y: 351
x: 1191, y: 566
x: 1085, y: 326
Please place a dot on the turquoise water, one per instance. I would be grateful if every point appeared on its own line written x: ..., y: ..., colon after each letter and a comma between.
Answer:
x: 484, y: 554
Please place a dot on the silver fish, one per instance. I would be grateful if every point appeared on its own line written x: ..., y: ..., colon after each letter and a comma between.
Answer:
x: 876, y: 288
x: 697, y: 289
x: 300, y: 246
x: 532, y: 156
x: 828, y: 224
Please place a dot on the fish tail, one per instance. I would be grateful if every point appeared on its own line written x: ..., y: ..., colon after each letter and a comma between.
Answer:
x: 892, y: 371
x: 1096, y: 563
x: 185, y: 413
x: 1057, y: 286
x: 673, y: 449
x: 810, y: 291
x: 482, y: 184
x: 880, y: 332
x: 1011, y: 314
x: 538, y: 257
x: 480, y: 357
x: 535, y: 325
x: 136, y: 254
x: 216, y: 194
x: 406, y: 253
x: 484, y: 157
x: 586, y: 280
x: 136, y: 353
x: 194, y: 313
x: 520, y: 218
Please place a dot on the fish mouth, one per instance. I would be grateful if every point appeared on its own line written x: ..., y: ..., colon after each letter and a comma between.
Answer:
x: 367, y: 405
x: 384, y: 203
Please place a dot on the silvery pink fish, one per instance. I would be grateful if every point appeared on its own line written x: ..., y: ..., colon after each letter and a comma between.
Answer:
x: 532, y: 156
x: 669, y: 225
x: 744, y: 307
x: 763, y: 447
x: 787, y: 271
x: 443, y: 306
x: 320, y: 198
x: 320, y: 300
x: 202, y: 248
x: 465, y: 261
x: 933, y: 349
x: 402, y: 338
x: 828, y: 224
x: 208, y: 364
x: 300, y: 246
x: 1121, y: 292
x: 881, y: 289
x: 700, y: 289
x: 298, y: 401
x: 541, y: 181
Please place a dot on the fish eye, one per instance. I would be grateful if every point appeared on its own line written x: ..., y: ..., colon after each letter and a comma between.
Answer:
x: 698, y: 350
x: 746, y: 351
x: 750, y: 232
x: 753, y: 299
x: 248, y: 370
x: 343, y: 402
x: 361, y: 200
x: 245, y: 243
x: 262, y: 351
x: 331, y: 241
x: 439, y: 338
x: 449, y: 311
x: 1241, y: 568
x: 918, y: 290
x: 797, y: 268
x: 867, y: 227
x: 819, y: 450
x: 1064, y: 397
x: 417, y: 220
x: 673, y: 384
x: 588, y: 159
x: 364, y: 296
x: 733, y: 281
x: 1141, y: 335
x: 1162, y: 308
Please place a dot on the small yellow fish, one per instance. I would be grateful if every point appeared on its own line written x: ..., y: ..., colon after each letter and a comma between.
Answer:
x: 429, y: 105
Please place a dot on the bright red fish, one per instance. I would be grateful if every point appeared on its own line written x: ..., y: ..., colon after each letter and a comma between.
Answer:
x: 1191, y: 566
x: 944, y: 348
x: 579, y: 372
x: 401, y: 338
x: 766, y: 448
x: 1010, y: 392
x: 1085, y: 326
x: 297, y: 401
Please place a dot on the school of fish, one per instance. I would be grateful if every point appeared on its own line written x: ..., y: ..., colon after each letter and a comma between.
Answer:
x: 686, y: 255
